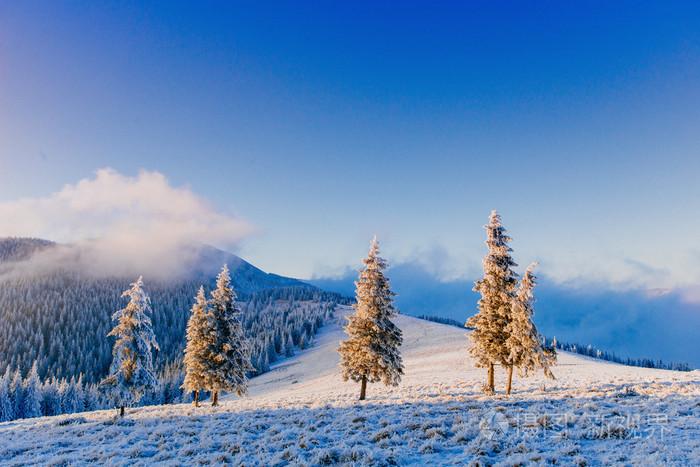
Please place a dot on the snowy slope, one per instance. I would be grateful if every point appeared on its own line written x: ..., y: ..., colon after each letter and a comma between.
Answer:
x: 595, y: 413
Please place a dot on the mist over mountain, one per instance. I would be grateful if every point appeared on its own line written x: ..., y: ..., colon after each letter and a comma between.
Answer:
x: 657, y: 324
x: 28, y: 256
x: 115, y: 224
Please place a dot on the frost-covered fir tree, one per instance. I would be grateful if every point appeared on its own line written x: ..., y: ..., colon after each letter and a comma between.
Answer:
x: 497, y: 289
x: 229, y: 354
x: 79, y: 394
x: 69, y: 397
x: 32, y: 393
x: 7, y: 412
x: 131, y: 373
x: 371, y: 352
x: 51, y: 398
x: 91, y: 399
x: 197, y: 351
x: 63, y: 389
x: 17, y: 394
x: 524, y: 342
x: 289, y: 347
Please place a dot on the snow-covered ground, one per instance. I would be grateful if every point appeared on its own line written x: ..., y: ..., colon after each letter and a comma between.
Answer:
x: 301, y: 412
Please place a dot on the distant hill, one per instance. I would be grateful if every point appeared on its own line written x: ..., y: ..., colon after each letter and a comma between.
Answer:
x: 246, y: 277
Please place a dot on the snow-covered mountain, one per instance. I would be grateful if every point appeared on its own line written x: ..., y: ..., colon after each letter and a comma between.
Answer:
x: 60, y: 315
x: 302, y: 413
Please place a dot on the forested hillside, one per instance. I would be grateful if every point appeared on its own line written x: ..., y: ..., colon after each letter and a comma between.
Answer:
x: 61, y: 317
x: 18, y: 249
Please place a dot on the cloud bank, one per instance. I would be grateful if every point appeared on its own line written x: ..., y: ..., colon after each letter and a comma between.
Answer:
x: 118, y: 224
x: 632, y: 322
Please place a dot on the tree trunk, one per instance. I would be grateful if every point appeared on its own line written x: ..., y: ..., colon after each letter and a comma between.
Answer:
x: 509, y: 384
x: 491, y: 384
x: 121, y: 411
x: 196, y: 399
x: 215, y: 398
x: 363, y: 388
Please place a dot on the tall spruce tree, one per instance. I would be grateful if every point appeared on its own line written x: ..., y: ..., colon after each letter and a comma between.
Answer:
x: 229, y: 353
x: 371, y: 352
x: 199, y: 341
x: 524, y: 342
x: 497, y: 289
x: 131, y: 373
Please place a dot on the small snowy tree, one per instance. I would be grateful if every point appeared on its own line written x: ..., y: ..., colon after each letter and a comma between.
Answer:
x: 131, y: 373
x: 497, y: 289
x: 199, y: 341
x: 524, y: 342
x: 371, y: 352
x: 32, y: 393
x: 229, y: 354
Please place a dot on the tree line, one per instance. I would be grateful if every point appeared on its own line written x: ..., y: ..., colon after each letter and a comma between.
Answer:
x: 590, y: 351
x: 217, y: 355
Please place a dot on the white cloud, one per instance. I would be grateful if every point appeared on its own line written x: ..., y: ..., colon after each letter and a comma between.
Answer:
x: 125, y: 224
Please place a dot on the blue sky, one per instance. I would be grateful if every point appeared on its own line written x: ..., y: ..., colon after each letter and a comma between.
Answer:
x: 322, y: 124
